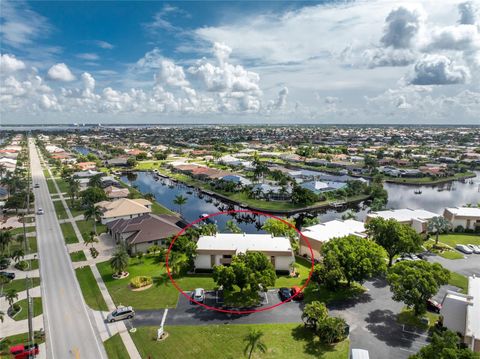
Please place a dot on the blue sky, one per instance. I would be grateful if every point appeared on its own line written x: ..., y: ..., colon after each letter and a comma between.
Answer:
x: 377, y: 61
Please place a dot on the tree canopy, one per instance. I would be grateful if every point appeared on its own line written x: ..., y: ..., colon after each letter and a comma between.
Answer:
x: 444, y: 345
x: 396, y: 238
x: 414, y: 282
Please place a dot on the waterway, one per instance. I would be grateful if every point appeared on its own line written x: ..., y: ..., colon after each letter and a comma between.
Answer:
x: 82, y: 150
x: 433, y: 198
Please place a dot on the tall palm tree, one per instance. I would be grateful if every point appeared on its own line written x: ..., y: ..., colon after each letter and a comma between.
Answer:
x: 18, y: 255
x: 5, y: 239
x: 180, y: 201
x: 176, y: 262
x: 11, y: 295
x: 95, y: 181
x: 73, y: 189
x: 119, y: 260
x: 254, y: 342
x: 438, y: 225
x: 91, y: 239
x: 93, y: 212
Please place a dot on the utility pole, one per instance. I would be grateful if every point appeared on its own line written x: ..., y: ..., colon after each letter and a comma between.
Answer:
x: 27, y: 251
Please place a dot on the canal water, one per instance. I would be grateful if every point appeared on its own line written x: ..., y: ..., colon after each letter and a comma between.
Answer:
x: 433, y: 198
x: 82, y: 150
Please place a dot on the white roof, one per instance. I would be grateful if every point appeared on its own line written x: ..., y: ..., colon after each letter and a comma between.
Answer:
x: 473, y: 311
x: 464, y: 211
x: 333, y: 229
x: 404, y: 214
x: 241, y: 242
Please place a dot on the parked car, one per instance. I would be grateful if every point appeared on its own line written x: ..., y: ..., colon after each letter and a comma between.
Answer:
x: 285, y: 294
x: 40, y: 211
x: 359, y: 354
x: 24, y: 351
x: 4, y: 262
x: 121, y: 313
x: 9, y: 275
x: 413, y: 257
x: 296, y: 293
x: 36, y: 185
x: 475, y: 249
x: 198, y: 295
x: 402, y: 258
x: 463, y: 248
x: 433, y: 305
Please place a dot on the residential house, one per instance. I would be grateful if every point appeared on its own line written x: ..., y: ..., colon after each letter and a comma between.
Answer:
x: 123, y: 209
x: 318, y: 187
x: 461, y: 313
x: 142, y: 232
x: 416, y: 218
x: 466, y: 217
x: 321, y: 233
x: 272, y: 192
x: 86, y: 166
x: 116, y: 162
x: 86, y: 174
x: 238, y: 180
x: 113, y: 192
x: 220, y: 248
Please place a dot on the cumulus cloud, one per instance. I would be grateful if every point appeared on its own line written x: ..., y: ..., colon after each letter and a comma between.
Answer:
x: 88, y: 56
x: 171, y: 74
x: 460, y: 38
x: 380, y: 57
x: 222, y: 52
x: 402, y: 25
x: 60, y: 72
x: 9, y: 63
x: 438, y: 70
x: 468, y: 13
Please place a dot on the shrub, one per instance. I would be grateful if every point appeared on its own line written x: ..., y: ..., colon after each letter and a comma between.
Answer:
x: 141, y: 281
x: 459, y: 229
x: 93, y: 252
x: 22, y: 265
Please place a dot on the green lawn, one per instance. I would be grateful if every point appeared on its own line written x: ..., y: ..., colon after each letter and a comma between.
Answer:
x: 68, y: 233
x: 19, y: 230
x: 46, y: 174
x: 91, y: 292
x: 453, y: 239
x: 86, y: 227
x: 78, y: 256
x: 451, y: 255
x: 407, y: 316
x: 60, y: 210
x: 443, y: 250
x: 32, y: 244
x: 161, y: 295
x: 33, y: 264
x: 459, y: 281
x: 19, y: 285
x: 303, y: 267
x: 62, y: 184
x: 51, y: 186
x: 37, y: 308
x: 148, y: 165
x: 115, y: 348
x: 283, y: 341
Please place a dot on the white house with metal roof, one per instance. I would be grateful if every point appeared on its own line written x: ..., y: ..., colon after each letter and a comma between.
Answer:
x: 466, y: 217
x: 416, y: 218
x: 220, y: 248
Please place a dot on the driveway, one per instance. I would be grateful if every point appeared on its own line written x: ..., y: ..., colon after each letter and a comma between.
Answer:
x: 371, y: 316
x: 468, y: 266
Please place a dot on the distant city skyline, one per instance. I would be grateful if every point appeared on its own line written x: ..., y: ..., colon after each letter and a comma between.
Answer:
x: 331, y: 62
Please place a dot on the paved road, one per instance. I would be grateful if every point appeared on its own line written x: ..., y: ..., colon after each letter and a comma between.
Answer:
x: 468, y: 266
x: 70, y: 333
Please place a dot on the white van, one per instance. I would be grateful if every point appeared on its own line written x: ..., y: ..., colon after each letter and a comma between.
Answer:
x: 359, y: 354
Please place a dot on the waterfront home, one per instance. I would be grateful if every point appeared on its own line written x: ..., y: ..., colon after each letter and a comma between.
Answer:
x: 416, y: 218
x: 107, y: 181
x: 466, y: 217
x: 116, y: 162
x: 142, y: 232
x: 272, y: 192
x: 123, y: 209
x: 321, y: 233
x: 318, y: 187
x: 238, y: 180
x: 86, y: 174
x: 461, y: 313
x: 113, y: 192
x: 220, y: 248
x: 86, y: 166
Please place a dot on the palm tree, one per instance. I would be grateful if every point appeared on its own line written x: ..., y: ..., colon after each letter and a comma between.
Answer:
x: 180, y: 201
x: 119, y: 260
x: 5, y: 239
x: 91, y: 239
x: 11, y: 295
x: 150, y: 196
x: 95, y: 181
x: 254, y: 342
x: 18, y: 255
x: 438, y: 225
x: 176, y: 262
x: 93, y: 212
x: 233, y: 227
x: 349, y: 215
x: 73, y: 188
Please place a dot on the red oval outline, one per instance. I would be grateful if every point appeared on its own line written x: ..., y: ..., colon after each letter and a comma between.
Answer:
x: 227, y: 310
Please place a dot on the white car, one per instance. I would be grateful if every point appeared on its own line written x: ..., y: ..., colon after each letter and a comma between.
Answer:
x: 40, y: 211
x: 198, y: 295
x: 463, y: 248
x: 475, y: 249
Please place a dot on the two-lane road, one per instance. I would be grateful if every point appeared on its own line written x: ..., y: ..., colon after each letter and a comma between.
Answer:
x: 70, y: 332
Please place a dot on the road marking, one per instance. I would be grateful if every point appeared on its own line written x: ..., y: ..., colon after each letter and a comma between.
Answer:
x: 266, y: 297
x: 407, y: 350
x: 164, y: 317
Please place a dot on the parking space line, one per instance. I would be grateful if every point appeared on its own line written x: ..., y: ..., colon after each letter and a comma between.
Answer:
x: 266, y: 297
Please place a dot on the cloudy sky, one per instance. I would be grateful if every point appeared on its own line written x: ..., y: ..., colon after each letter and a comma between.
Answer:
x: 372, y: 61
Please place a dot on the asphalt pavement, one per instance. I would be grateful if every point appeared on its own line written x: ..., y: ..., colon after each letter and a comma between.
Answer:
x: 69, y: 330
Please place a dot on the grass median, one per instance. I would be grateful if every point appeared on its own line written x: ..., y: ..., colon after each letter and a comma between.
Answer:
x: 115, y: 348
x: 91, y: 292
